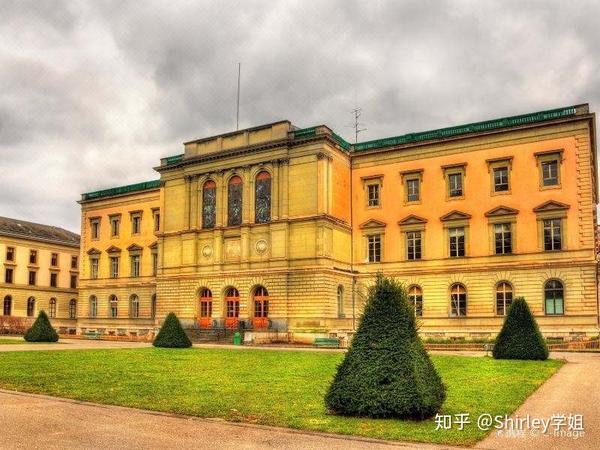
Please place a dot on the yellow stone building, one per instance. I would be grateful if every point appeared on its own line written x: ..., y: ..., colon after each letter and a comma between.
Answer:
x: 279, y: 230
x: 119, y: 256
x: 40, y: 271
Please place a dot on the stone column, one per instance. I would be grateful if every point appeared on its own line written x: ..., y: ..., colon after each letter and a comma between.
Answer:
x: 186, y: 209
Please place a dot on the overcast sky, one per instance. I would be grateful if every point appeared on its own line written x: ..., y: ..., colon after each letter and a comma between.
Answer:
x: 93, y: 93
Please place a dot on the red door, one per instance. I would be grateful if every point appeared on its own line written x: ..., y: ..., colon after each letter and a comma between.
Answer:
x: 205, y: 308
x: 232, y: 305
x: 261, y: 308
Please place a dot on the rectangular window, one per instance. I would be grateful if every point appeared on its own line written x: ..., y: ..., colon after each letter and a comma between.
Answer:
x: 154, y: 264
x: 501, y: 179
x: 95, y: 228
x: 53, y: 279
x: 373, y: 192
x: 94, y: 268
x: 412, y: 190
x: 135, y: 266
x: 457, y: 242
x: 374, y: 248
x: 156, y: 221
x: 455, y: 185
x: 550, y: 173
x: 114, y: 267
x: 10, y: 254
x: 552, y: 234
x: 74, y: 262
x: 136, y: 224
x: 502, y: 238
x: 32, y: 277
x: 554, y: 306
x: 32, y: 256
x: 54, y: 260
x: 114, y: 226
x: 8, y: 276
x: 413, y: 245
x: 73, y: 281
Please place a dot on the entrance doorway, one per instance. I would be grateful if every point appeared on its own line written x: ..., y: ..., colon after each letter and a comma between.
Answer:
x: 232, y: 306
x: 205, y: 308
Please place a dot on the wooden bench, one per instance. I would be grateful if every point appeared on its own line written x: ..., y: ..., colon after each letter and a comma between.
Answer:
x: 327, y: 342
x: 92, y: 335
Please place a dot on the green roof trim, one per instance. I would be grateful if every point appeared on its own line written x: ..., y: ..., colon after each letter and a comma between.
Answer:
x: 146, y: 185
x: 173, y: 159
x: 305, y: 132
x: 469, y: 128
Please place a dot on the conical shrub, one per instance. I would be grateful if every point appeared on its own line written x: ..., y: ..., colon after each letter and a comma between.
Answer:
x: 520, y: 337
x: 41, y: 330
x: 171, y: 334
x: 386, y: 371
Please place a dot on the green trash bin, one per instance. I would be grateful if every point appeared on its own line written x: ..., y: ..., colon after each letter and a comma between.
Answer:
x: 237, y: 338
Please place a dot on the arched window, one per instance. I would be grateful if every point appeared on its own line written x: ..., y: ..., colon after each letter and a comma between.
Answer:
x: 52, y: 312
x: 205, y: 308
x: 209, y: 204
x: 113, y: 303
x: 153, y: 306
x: 7, y: 305
x: 72, y: 309
x: 232, y: 307
x: 458, y: 300
x: 93, y: 306
x: 340, y: 301
x: 504, y: 297
x: 554, y: 300
x: 415, y: 297
x: 262, y: 198
x: 134, y: 306
x: 234, y: 198
x: 261, y: 307
x: 30, y: 307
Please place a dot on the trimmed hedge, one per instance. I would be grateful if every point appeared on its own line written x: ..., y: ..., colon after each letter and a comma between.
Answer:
x: 520, y: 337
x: 171, y: 334
x: 41, y: 330
x: 386, y: 371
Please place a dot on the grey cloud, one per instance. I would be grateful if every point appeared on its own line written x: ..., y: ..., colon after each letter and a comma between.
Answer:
x: 92, y: 94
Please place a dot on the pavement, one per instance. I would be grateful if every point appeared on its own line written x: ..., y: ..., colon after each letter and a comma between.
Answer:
x: 74, y: 424
x: 29, y: 421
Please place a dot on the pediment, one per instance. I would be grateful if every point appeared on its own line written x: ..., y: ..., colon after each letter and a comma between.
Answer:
x: 455, y: 215
x: 501, y: 211
x: 134, y: 248
x: 372, y: 223
x: 412, y: 220
x: 113, y: 249
x: 93, y: 251
x: 551, y: 205
x: 153, y: 246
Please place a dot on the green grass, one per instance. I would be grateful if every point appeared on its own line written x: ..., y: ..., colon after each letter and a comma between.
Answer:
x: 8, y: 341
x: 267, y: 387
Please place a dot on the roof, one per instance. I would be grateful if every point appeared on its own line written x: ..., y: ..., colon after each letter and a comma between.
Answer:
x: 431, y: 135
x: 121, y: 190
x: 38, y: 232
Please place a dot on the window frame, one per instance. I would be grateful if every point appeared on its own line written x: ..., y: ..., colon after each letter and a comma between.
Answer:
x: 545, y: 290
x: 377, y: 258
x: 53, y: 279
x: 495, y: 164
x: 545, y: 157
x: 135, y: 217
x: 93, y: 306
x: 459, y: 308
x: 95, y: 228
x: 452, y: 170
x: 114, y: 221
x: 416, y: 299
x: 11, y: 254
x: 504, y: 292
x: 9, y: 275
x: 372, y: 181
x: 113, y: 274
x: 408, y: 176
x: 52, y: 308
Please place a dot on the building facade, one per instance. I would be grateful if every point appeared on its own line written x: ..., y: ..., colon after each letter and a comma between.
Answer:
x: 119, y: 256
x: 281, y: 228
x: 40, y: 271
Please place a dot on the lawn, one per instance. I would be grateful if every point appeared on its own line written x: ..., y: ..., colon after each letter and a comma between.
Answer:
x: 267, y: 387
x: 8, y: 341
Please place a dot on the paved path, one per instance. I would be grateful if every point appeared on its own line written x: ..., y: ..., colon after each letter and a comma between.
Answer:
x: 69, y: 344
x: 35, y: 421
x: 573, y: 390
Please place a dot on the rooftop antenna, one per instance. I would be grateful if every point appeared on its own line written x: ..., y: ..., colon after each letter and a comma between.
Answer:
x: 237, y: 114
x: 357, y: 112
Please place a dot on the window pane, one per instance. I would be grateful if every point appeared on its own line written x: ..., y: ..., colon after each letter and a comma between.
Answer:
x: 209, y: 204
x: 234, y: 210
x: 263, y: 198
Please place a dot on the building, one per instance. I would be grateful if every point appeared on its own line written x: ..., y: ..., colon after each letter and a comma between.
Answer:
x: 40, y: 271
x: 281, y: 228
x: 120, y: 256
